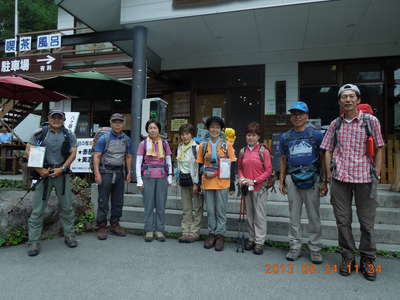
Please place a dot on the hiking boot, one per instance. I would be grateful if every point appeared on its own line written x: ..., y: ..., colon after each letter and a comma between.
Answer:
x: 258, y: 249
x: 160, y: 236
x: 316, y: 257
x: 210, y: 242
x: 33, y: 248
x: 184, y: 238
x: 368, y: 268
x: 249, y: 245
x: 219, y: 242
x: 293, y: 254
x: 149, y: 236
x: 70, y: 241
x: 193, y: 237
x: 347, y: 266
x: 117, y: 230
x: 102, y: 231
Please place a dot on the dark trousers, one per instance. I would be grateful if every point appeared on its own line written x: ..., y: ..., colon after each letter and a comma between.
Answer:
x: 341, y: 199
x: 116, y: 190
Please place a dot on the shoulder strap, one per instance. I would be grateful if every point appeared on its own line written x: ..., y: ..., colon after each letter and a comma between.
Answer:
x: 338, y: 123
x: 194, y: 151
x: 223, y: 146
x: 367, y: 124
x: 261, y: 153
x: 41, y: 135
x: 204, y: 149
x: 107, y: 138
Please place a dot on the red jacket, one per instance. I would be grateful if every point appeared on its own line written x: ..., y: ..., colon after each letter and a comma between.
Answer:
x: 251, y: 167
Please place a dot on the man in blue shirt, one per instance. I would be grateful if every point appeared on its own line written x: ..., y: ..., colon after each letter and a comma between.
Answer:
x: 112, y: 157
x: 300, y: 180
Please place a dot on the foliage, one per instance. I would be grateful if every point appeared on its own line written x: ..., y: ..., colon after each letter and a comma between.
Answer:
x: 86, y: 217
x: 86, y: 221
x: 34, y: 15
x: 14, y: 237
x: 11, y: 184
x: 80, y: 186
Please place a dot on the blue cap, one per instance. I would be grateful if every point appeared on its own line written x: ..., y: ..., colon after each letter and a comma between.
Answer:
x: 299, y: 105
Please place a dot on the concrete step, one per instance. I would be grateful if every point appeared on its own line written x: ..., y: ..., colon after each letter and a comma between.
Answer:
x: 270, y: 237
x: 277, y: 209
x: 386, y: 198
x: 385, y: 234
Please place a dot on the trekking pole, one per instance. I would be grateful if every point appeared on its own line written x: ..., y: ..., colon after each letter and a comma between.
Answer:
x: 241, y: 238
x: 32, y: 188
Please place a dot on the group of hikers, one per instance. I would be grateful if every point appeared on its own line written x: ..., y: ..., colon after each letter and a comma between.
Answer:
x: 347, y: 157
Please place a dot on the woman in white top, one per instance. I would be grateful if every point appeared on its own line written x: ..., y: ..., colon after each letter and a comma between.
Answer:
x: 188, y: 179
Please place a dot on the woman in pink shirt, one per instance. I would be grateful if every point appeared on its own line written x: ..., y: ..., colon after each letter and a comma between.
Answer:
x: 254, y: 168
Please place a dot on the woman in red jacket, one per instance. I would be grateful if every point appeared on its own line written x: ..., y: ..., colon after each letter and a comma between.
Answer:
x: 254, y: 168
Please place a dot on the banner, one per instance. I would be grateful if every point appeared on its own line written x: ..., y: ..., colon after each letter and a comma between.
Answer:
x: 81, y: 164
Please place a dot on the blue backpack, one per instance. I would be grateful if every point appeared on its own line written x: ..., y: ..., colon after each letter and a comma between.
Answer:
x: 304, y: 177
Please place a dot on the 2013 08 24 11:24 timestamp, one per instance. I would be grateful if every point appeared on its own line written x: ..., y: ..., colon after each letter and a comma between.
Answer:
x: 313, y: 269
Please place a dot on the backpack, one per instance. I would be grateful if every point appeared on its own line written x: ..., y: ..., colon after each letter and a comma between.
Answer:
x: 223, y: 147
x: 370, y: 139
x: 41, y: 134
x: 304, y: 177
x: 164, y: 143
x: 106, y: 131
x: 366, y: 122
x: 269, y: 183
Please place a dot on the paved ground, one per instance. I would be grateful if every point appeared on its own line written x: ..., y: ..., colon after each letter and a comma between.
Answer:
x: 128, y: 268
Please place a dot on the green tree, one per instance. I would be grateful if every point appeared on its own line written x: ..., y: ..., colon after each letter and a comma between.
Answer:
x: 34, y: 15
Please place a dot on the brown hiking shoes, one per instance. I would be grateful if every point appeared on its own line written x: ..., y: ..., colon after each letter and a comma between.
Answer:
x: 102, y: 231
x: 219, y: 242
x: 210, y: 242
x: 117, y: 230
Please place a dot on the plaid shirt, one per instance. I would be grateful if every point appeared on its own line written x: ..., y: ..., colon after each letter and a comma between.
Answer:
x: 350, y: 154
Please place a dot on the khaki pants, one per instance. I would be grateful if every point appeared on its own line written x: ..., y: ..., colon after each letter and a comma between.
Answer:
x: 310, y: 198
x: 341, y: 199
x: 192, y: 210
x: 256, y: 215
x: 35, y: 222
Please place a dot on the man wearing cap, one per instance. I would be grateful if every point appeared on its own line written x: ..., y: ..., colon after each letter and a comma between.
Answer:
x: 353, y: 171
x: 60, y: 152
x: 112, y: 157
x: 300, y: 180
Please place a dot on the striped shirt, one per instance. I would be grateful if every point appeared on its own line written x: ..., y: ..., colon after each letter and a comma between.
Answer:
x: 350, y: 153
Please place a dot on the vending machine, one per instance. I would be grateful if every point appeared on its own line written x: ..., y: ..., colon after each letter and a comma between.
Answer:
x: 154, y: 109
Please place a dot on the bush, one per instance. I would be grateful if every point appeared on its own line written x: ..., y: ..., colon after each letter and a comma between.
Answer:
x: 11, y: 184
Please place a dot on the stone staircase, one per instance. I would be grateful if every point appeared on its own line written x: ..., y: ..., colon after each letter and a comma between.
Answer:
x: 387, y: 220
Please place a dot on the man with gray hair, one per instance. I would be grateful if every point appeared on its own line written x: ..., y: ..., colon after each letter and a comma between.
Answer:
x: 353, y: 158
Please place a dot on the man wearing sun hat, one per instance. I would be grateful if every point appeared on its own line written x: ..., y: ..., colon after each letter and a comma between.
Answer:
x: 300, y: 180
x: 60, y: 151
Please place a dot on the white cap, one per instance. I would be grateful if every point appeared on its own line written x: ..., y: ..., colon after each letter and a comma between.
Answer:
x: 349, y: 87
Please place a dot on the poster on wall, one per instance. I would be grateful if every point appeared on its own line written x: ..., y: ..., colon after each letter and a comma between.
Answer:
x: 81, y: 164
x: 176, y: 123
x: 181, y: 104
x: 71, y: 120
x: 217, y: 112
